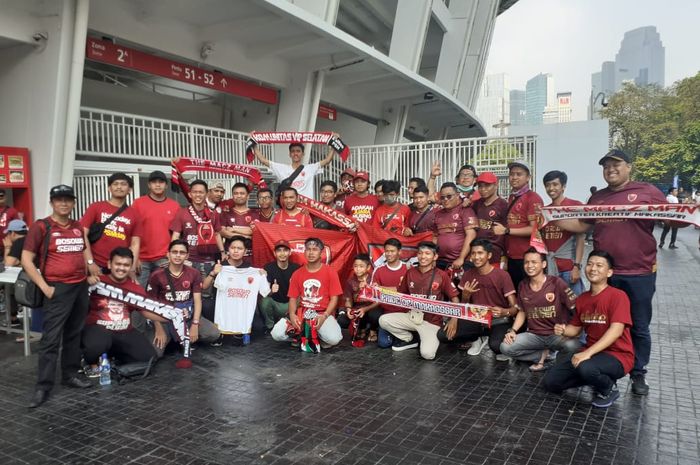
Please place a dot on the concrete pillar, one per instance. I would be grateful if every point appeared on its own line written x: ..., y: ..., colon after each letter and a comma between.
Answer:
x: 393, y: 123
x: 410, y: 28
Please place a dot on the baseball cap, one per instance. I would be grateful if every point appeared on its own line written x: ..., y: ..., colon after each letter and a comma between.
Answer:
x: 61, y: 191
x: 218, y: 185
x: 157, y: 176
x: 362, y: 175
x: 615, y: 154
x: 120, y: 177
x: 520, y: 163
x: 348, y: 171
x: 282, y: 243
x: 488, y: 178
x: 16, y: 226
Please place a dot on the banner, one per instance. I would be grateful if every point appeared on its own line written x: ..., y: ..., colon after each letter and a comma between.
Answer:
x: 477, y: 313
x: 371, y: 240
x: 681, y: 213
x: 295, y: 137
x: 338, y: 251
x: 326, y: 213
x: 183, y: 164
x: 142, y: 302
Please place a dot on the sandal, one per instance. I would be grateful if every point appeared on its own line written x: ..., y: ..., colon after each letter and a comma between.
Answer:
x: 372, y: 336
x: 539, y: 366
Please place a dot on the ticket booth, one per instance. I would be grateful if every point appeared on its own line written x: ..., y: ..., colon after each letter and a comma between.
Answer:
x: 16, y: 180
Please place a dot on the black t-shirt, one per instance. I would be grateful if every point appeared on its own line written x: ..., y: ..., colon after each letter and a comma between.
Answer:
x: 16, y: 249
x: 274, y: 272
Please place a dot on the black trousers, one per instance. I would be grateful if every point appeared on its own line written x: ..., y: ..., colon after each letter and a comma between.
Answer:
x: 600, y: 371
x: 370, y: 319
x: 126, y: 346
x: 64, y: 316
x: 516, y: 271
x: 469, y: 331
x: 674, y: 233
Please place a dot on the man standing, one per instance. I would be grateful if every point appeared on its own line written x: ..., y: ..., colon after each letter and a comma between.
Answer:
x: 61, y: 245
x: 345, y: 188
x: 236, y: 217
x: 327, y: 198
x: 279, y: 273
x: 7, y: 213
x: 303, y: 179
x: 121, y: 224
x: 672, y: 197
x: 265, y: 205
x: 422, y: 211
x: 634, y: 272
x: 156, y: 211
x: 453, y: 228
x: 523, y: 208
x: 291, y: 214
x: 392, y: 215
x: 426, y: 281
x: 566, y: 248
x: 361, y: 204
x: 215, y: 196
x: 314, y: 290
x: 491, y: 209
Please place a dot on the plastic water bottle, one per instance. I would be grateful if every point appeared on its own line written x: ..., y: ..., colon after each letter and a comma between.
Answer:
x: 105, y: 371
x: 246, y: 339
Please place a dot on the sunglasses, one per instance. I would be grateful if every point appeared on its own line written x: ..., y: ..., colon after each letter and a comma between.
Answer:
x: 447, y: 197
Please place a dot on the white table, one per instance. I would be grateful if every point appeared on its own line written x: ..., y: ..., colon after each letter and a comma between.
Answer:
x: 9, y: 278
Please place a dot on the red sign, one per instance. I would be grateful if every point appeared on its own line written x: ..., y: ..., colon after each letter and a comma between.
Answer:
x: 125, y: 57
x: 14, y: 167
x: 324, y: 111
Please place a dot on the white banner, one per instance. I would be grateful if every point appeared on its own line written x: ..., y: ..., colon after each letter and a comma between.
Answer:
x: 673, y: 211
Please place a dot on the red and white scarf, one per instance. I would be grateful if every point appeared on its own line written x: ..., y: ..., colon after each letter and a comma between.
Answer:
x: 295, y: 137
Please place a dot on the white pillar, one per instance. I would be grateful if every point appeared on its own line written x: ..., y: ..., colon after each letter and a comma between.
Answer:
x: 410, y: 28
x: 393, y: 123
x: 324, y: 9
x: 72, y: 115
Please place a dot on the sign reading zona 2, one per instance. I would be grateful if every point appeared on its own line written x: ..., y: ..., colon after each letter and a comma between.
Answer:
x: 125, y: 57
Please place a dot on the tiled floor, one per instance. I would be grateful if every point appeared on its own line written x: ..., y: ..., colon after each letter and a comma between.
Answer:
x: 268, y: 404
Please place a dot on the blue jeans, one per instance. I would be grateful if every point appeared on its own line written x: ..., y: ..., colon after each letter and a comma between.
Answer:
x: 640, y: 290
x: 529, y: 346
x: 384, y: 339
x: 576, y: 287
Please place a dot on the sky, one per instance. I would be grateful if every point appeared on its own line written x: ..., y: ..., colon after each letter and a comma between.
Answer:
x: 571, y: 38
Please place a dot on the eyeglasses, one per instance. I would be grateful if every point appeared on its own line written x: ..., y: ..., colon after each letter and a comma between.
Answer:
x: 447, y: 197
x: 178, y: 252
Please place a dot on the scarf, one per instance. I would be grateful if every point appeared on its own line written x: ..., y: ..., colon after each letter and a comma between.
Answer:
x: 183, y: 164
x: 295, y: 137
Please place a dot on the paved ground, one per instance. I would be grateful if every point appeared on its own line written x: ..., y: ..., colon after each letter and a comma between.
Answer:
x: 268, y: 404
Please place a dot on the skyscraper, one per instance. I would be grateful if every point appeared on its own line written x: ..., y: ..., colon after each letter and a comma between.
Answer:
x: 493, y: 106
x: 517, y: 107
x: 539, y: 94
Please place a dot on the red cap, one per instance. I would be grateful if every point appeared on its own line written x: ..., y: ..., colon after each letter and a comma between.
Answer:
x: 348, y: 171
x: 282, y: 243
x: 362, y: 175
x: 488, y: 178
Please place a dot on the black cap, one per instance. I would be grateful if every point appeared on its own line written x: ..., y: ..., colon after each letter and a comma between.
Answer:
x: 617, y: 155
x: 157, y: 175
x: 120, y: 177
x: 61, y: 191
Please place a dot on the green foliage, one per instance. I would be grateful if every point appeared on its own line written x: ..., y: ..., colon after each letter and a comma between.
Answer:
x: 659, y: 128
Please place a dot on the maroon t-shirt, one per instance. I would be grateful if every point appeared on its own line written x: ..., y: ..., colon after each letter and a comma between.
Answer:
x: 493, y: 287
x: 596, y: 313
x: 7, y: 214
x: 448, y: 226
x: 386, y: 277
x: 630, y: 242
x: 112, y: 314
x: 361, y: 208
x: 262, y: 218
x: 521, y: 213
x: 554, y: 237
x: 487, y: 215
x: 351, y: 290
x: 117, y: 233
x: 548, y: 306
x: 65, y: 262
x: 422, y: 221
x: 199, y: 234
x: 186, y: 285
x: 419, y: 284
x: 231, y: 217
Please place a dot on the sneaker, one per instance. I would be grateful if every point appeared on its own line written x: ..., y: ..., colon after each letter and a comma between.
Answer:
x: 672, y: 246
x: 92, y: 371
x: 219, y: 341
x: 661, y: 246
x: 400, y: 345
x: 639, y: 385
x: 503, y: 358
x: 478, y: 345
x: 601, y: 401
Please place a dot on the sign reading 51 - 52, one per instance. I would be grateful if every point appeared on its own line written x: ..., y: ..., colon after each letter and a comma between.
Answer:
x: 125, y: 57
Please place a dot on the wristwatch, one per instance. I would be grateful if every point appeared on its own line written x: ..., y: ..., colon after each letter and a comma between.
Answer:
x: 507, y: 231
x: 577, y: 265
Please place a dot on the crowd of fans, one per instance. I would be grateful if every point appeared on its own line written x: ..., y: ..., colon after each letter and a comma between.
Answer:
x: 198, y: 258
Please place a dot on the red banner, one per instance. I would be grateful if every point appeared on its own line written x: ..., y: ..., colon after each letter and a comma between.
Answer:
x: 371, y: 240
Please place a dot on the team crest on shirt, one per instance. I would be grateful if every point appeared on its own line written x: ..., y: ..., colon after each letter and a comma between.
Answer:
x: 188, y: 224
x: 631, y: 197
x: 77, y: 232
x: 186, y: 284
x: 250, y: 280
x: 411, y: 285
x: 455, y: 216
x: 435, y: 286
x: 549, y: 296
x: 303, y: 174
x: 492, y: 213
x: 247, y: 219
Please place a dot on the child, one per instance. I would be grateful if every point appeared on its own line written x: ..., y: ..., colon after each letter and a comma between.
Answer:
x: 367, y: 313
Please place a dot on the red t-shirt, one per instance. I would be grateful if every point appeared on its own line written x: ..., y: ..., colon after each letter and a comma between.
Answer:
x: 155, y: 217
x: 386, y: 277
x: 314, y: 289
x: 419, y: 284
x: 422, y: 221
x: 65, y: 262
x: 231, y: 217
x: 200, y: 235
x: 112, y: 314
x: 548, y: 306
x: 554, y: 237
x: 351, y: 290
x: 117, y: 233
x: 493, y: 287
x: 301, y: 220
x: 596, y: 312
x: 448, y: 226
x: 398, y: 221
x: 487, y: 215
x: 630, y: 242
x: 361, y: 208
x: 186, y: 285
x: 522, y: 212
x: 8, y: 214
